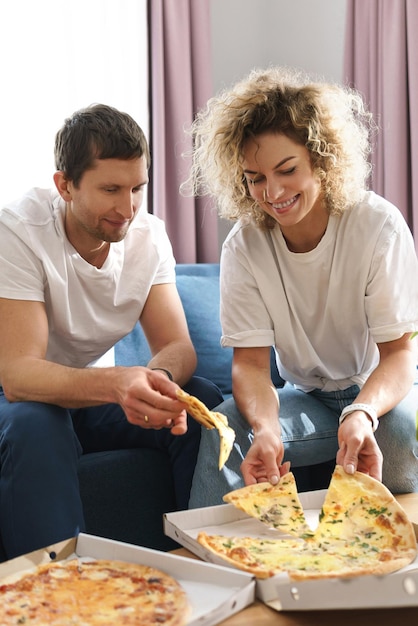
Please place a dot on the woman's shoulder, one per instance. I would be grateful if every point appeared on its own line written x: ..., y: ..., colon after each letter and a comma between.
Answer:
x: 374, y: 212
x: 377, y: 206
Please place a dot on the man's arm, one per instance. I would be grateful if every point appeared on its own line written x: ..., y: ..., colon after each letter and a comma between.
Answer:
x: 165, y: 327
x: 26, y: 375
x: 258, y: 401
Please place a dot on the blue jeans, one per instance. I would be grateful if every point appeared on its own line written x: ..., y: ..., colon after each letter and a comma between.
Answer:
x: 309, y: 424
x: 40, y: 445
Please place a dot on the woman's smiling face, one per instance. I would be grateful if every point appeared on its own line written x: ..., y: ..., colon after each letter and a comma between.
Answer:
x: 280, y: 178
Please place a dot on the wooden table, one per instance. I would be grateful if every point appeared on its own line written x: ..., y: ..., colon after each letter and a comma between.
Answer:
x: 259, y: 614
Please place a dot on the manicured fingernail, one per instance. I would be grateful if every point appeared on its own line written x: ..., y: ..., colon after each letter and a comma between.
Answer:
x: 350, y: 469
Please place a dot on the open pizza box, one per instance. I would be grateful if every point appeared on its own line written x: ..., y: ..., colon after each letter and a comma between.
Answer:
x: 399, y: 589
x: 215, y: 593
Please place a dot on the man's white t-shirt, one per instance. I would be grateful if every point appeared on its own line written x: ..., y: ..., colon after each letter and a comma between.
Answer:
x: 88, y: 309
x: 324, y: 310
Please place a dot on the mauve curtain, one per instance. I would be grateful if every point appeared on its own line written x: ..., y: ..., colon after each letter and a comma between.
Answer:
x: 180, y: 84
x: 381, y: 61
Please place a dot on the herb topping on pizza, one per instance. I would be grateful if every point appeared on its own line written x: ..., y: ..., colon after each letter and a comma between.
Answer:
x: 362, y: 530
x: 275, y: 505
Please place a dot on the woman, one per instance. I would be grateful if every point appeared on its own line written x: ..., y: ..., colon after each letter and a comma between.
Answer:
x: 318, y: 267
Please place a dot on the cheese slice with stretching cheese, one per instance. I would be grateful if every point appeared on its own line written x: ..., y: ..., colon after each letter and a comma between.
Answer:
x: 210, y: 419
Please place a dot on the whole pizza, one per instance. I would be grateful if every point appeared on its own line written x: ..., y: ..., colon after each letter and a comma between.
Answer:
x: 80, y: 592
x: 361, y: 530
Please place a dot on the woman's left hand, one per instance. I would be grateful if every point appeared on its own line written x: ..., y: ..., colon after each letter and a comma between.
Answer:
x: 358, y: 449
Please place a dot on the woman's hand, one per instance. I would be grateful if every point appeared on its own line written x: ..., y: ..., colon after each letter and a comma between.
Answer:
x: 263, y: 462
x: 358, y: 447
x: 385, y: 387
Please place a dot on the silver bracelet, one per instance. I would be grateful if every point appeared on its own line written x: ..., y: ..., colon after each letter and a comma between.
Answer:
x: 366, y: 408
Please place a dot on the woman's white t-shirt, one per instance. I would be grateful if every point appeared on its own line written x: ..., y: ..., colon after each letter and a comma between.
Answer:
x: 88, y: 309
x: 324, y: 310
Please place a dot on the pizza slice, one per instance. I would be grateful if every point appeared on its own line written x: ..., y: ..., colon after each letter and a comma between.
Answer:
x: 260, y: 557
x: 226, y: 434
x: 210, y: 419
x: 359, y: 511
x: 301, y: 560
x: 275, y: 505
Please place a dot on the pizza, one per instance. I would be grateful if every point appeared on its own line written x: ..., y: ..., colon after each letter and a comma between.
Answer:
x: 277, y: 506
x: 301, y: 560
x: 361, y: 530
x: 210, y: 419
x: 93, y: 592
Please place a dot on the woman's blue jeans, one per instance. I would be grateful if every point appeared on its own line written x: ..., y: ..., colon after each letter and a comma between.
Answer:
x: 40, y: 445
x: 309, y: 424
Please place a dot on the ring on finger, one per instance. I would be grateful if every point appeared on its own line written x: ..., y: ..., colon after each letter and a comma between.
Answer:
x: 146, y: 419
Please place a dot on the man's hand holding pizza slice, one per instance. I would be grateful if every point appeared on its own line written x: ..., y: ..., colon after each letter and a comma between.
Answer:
x: 210, y: 419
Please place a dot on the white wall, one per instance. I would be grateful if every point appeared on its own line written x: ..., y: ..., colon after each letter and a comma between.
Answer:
x: 308, y: 34
x: 56, y: 57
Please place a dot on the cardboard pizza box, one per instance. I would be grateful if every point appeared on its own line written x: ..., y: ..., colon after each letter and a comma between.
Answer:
x: 399, y: 589
x: 215, y: 593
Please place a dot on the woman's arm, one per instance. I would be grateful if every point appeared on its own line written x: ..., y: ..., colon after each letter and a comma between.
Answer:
x: 384, y: 389
x: 258, y: 401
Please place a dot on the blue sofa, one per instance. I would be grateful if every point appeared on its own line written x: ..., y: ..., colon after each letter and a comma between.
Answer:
x: 126, y: 492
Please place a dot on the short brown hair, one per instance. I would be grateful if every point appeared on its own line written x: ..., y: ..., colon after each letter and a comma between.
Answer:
x: 97, y: 132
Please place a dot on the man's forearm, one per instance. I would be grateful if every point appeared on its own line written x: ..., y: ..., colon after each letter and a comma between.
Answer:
x: 37, y: 380
x: 179, y: 359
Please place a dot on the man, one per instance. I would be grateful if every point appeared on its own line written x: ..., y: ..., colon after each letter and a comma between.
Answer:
x: 79, y: 265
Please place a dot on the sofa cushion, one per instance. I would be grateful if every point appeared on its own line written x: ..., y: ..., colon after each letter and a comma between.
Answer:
x: 200, y: 297
x: 132, y: 349
x: 201, y: 280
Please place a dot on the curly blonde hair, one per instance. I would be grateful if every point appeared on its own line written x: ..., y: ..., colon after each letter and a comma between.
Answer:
x: 331, y: 121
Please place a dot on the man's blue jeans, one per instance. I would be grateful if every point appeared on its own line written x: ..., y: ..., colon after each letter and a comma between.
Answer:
x: 309, y: 424
x: 40, y: 445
